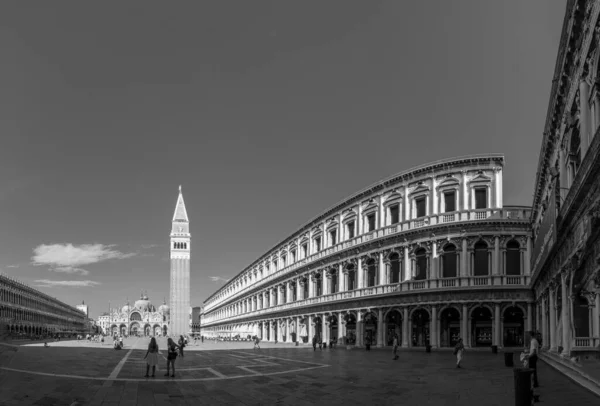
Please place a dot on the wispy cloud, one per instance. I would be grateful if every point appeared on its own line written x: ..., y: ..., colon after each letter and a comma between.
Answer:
x: 69, y: 258
x: 149, y: 246
x: 12, y: 266
x: 44, y: 283
x: 218, y: 279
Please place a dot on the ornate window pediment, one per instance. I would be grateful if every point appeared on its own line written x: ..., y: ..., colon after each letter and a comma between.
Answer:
x: 480, y: 178
x: 349, y: 215
x: 420, y: 188
x: 304, y: 239
x: 449, y: 182
x: 393, y: 197
x: 370, y: 206
x: 315, y: 232
x: 332, y: 224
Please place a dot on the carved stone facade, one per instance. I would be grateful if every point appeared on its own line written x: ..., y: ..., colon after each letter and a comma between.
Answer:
x: 566, y: 284
x: 27, y: 311
x: 430, y: 254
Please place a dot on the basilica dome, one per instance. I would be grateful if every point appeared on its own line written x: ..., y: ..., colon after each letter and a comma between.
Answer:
x: 163, y: 308
x: 126, y: 308
x: 143, y: 304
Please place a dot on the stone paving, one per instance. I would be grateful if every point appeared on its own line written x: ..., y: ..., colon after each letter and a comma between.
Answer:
x: 235, y: 374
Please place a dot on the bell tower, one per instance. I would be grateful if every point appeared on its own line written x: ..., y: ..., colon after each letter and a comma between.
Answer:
x: 180, y: 270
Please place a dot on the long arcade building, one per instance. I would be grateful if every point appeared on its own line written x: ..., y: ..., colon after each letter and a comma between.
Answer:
x: 431, y: 254
x: 26, y: 310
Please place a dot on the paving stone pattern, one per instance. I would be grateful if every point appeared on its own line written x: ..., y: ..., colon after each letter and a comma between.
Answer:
x: 235, y: 374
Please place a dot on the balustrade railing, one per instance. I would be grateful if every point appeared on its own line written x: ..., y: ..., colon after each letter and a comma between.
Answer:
x: 406, y: 286
x: 587, y: 342
x: 506, y: 213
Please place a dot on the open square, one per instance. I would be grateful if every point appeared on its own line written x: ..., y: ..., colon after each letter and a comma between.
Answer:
x: 234, y: 373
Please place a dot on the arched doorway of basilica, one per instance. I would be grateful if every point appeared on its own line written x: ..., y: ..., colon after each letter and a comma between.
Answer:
x: 318, y: 328
x: 370, y: 323
x: 393, y: 322
x: 350, y: 320
x: 333, y: 328
x: 114, y: 330
x: 165, y: 331
x: 514, y: 327
x: 449, y: 327
x: 420, y: 328
x: 123, y: 329
x: 134, y: 329
x: 147, y: 330
x: 157, y: 330
x: 481, y: 327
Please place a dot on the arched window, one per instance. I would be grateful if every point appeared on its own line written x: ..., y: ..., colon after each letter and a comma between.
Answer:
x: 481, y: 259
x: 395, y: 268
x: 449, y: 261
x: 334, y: 282
x: 421, y: 264
x: 371, y: 273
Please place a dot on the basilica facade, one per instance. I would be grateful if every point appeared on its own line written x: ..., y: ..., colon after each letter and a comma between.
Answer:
x: 430, y: 254
x: 141, y: 318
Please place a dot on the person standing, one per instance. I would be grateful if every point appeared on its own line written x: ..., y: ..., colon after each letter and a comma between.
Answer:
x: 256, y: 341
x: 320, y: 342
x: 152, y: 355
x: 459, y: 348
x: 395, y: 346
x: 181, y: 345
x: 534, y: 348
x: 314, y: 342
x: 171, y: 356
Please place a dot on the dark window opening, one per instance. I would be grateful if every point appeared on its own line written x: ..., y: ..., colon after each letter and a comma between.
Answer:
x: 450, y: 201
x: 481, y: 259
x: 449, y: 262
x: 481, y: 198
x: 371, y: 222
x: 420, y: 204
x: 304, y: 250
x: 395, y: 214
x: 421, y: 264
x: 371, y: 273
x: 350, y: 227
x: 334, y: 282
x: 513, y: 258
x: 318, y: 244
x: 333, y: 236
x: 351, y: 280
x: 395, y: 269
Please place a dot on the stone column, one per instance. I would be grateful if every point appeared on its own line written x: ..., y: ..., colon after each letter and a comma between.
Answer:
x: 464, y: 319
x: 433, y: 273
x: 325, y: 326
x: 497, y: 335
x: 299, y: 290
x: 529, y: 318
x: 340, y: 329
x: 298, y: 339
x: 409, y: 331
x: 341, y: 281
x: 310, y: 330
x: 311, y: 286
x: 564, y: 183
x: 433, y: 336
x: 379, y: 327
x: 406, y: 265
x: 359, y: 329
x: 596, y: 315
x: 464, y: 260
x: 527, y: 268
x: 565, y: 315
x: 360, y: 274
x: 381, y: 270
x: 496, y: 262
x: 324, y: 282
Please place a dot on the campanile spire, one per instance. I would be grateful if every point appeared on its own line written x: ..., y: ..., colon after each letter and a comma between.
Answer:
x: 180, y: 270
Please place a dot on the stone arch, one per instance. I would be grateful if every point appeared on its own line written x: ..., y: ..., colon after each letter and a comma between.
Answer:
x: 412, y: 311
x: 509, y: 305
x: 391, y: 309
x: 426, y: 245
x: 449, y: 306
x: 479, y: 305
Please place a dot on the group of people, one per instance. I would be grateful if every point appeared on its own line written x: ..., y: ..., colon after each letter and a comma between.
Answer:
x: 173, y: 350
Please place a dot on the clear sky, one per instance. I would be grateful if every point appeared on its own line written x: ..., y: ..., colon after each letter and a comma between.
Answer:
x: 267, y: 113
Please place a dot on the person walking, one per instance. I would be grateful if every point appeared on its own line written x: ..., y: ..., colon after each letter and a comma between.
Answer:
x: 256, y: 341
x: 320, y: 342
x: 171, y: 356
x: 152, y: 355
x: 314, y: 342
x: 459, y: 348
x: 534, y: 348
x: 181, y: 345
x: 395, y: 347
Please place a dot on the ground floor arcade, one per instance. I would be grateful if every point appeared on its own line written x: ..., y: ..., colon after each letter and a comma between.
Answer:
x: 136, y: 328
x: 440, y: 325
